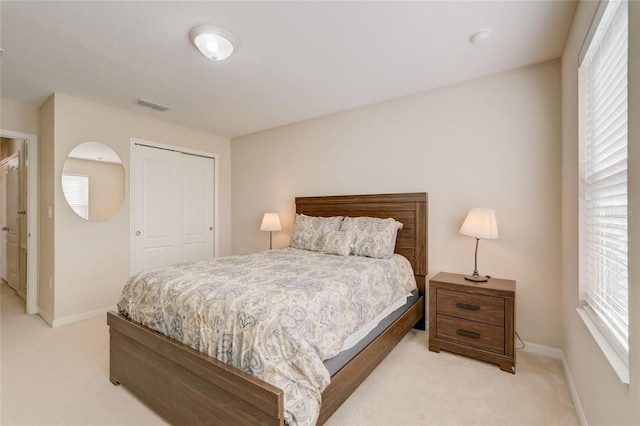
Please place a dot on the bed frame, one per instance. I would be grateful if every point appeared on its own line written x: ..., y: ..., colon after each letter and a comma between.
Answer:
x: 187, y: 387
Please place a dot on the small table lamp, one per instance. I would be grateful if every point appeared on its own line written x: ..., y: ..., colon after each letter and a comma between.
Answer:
x: 270, y: 222
x: 479, y: 223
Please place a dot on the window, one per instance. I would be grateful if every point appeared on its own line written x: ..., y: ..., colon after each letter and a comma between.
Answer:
x: 76, y: 191
x: 603, y: 178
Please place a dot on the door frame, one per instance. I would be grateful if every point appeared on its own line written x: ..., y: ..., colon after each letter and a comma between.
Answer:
x: 151, y: 144
x: 31, y: 163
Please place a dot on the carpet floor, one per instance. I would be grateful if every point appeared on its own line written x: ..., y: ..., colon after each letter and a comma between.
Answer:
x: 60, y: 376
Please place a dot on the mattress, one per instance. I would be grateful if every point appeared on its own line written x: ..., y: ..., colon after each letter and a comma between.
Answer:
x: 276, y: 315
x: 361, y: 338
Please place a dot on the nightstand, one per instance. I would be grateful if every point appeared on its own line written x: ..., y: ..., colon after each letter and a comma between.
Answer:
x: 473, y: 319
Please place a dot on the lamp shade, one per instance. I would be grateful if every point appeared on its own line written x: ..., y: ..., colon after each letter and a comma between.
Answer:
x: 480, y: 223
x: 270, y: 222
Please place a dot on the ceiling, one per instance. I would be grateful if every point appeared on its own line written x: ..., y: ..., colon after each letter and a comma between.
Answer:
x: 294, y: 61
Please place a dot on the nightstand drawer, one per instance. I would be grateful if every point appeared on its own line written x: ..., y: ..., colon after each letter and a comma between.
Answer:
x: 476, y: 307
x: 471, y: 333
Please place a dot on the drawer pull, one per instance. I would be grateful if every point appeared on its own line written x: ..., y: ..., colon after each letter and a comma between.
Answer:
x: 468, y: 306
x: 466, y: 333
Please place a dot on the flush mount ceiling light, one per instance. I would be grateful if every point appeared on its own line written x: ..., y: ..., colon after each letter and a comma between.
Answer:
x: 214, y: 42
x: 480, y: 36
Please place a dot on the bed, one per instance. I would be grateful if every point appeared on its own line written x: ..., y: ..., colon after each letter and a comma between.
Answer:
x: 186, y: 386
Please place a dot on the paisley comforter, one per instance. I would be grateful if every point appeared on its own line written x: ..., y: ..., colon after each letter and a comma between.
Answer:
x: 275, y: 314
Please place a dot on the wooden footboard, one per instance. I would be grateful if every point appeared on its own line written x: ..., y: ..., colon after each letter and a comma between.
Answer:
x: 187, y: 387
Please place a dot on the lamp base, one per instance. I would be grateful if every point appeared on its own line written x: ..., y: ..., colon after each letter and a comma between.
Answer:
x: 476, y: 278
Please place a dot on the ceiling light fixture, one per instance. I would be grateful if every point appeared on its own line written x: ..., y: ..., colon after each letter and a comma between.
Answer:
x: 213, y: 42
x: 480, y: 36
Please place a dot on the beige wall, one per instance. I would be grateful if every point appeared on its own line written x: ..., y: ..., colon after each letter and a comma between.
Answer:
x: 492, y: 142
x: 19, y: 116
x: 604, y: 399
x: 92, y: 258
x: 46, y: 230
x: 10, y: 146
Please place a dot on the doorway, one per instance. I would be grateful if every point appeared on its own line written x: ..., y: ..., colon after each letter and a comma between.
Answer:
x: 25, y: 217
x: 11, y: 213
x: 173, y: 205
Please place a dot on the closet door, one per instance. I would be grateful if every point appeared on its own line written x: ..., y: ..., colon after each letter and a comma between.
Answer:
x: 197, y: 215
x: 172, y: 197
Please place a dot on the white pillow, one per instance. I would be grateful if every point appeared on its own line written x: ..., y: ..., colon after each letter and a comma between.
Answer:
x: 309, y: 231
x: 338, y: 242
x: 373, y: 237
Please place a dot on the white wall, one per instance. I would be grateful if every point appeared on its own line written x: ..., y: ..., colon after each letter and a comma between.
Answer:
x: 492, y: 142
x: 92, y: 258
x: 604, y: 399
x: 19, y: 116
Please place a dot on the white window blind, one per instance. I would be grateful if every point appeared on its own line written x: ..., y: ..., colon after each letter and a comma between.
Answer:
x: 603, y: 178
x: 76, y: 191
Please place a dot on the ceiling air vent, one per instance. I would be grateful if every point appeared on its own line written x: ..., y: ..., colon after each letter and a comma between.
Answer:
x: 151, y: 105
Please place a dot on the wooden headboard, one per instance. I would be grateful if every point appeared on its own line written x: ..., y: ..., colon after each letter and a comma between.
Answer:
x: 409, y: 208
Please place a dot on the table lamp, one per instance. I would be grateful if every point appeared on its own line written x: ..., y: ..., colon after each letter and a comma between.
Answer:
x: 479, y: 223
x: 270, y: 222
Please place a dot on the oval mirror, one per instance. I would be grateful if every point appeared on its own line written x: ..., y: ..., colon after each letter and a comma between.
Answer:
x: 93, y: 181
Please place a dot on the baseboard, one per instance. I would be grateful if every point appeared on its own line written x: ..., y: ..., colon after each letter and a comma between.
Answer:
x: 543, y: 350
x: 556, y: 353
x: 46, y: 317
x: 573, y: 391
x: 80, y: 317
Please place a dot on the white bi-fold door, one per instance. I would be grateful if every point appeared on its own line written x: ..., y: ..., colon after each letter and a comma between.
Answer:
x: 173, y: 207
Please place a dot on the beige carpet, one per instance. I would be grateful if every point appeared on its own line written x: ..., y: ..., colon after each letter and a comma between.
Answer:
x: 60, y: 377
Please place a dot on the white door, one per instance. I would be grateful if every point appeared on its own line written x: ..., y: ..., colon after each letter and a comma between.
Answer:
x: 197, y: 237
x: 173, y: 207
x: 156, y: 206
x: 4, y: 171
x: 11, y: 220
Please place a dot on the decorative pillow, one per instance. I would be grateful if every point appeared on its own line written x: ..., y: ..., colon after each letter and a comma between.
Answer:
x: 309, y: 231
x: 338, y: 242
x: 373, y: 237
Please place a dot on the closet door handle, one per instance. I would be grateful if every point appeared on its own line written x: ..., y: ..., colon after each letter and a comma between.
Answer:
x: 4, y: 228
x: 468, y: 306
x: 466, y: 333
